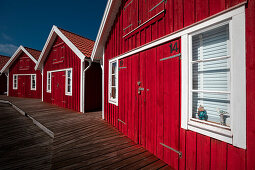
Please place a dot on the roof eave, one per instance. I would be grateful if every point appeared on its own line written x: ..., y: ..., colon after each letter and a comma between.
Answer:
x: 110, y: 13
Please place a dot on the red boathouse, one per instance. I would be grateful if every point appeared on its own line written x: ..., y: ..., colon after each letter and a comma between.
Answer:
x: 3, y: 77
x: 179, y: 79
x: 22, y: 79
x: 70, y: 79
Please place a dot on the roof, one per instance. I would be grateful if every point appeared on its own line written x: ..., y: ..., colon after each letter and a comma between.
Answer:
x: 80, y: 45
x: 31, y: 53
x: 3, y: 60
x: 110, y: 13
x: 85, y: 45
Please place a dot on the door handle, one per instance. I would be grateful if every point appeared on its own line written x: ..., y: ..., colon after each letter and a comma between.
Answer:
x: 140, y: 89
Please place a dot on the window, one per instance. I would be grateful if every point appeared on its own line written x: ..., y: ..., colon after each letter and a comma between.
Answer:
x: 113, y: 82
x: 33, y: 82
x: 15, y: 82
x: 213, y: 79
x: 49, y: 82
x: 69, y: 82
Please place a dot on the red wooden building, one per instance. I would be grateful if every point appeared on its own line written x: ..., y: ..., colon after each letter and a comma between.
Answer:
x: 179, y: 79
x: 3, y: 77
x: 70, y: 79
x: 22, y: 79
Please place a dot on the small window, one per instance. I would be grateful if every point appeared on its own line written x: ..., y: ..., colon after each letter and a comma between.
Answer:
x: 69, y: 82
x: 33, y: 82
x: 15, y: 82
x: 113, y: 82
x: 49, y: 82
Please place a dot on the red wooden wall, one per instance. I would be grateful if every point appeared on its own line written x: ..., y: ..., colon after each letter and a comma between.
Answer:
x: 3, y: 84
x: 93, y: 87
x: 62, y: 57
x: 199, y: 151
x: 24, y: 65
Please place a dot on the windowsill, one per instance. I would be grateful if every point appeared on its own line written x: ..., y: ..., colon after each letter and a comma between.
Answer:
x: 48, y: 91
x: 68, y: 94
x: 33, y: 89
x: 216, y: 131
x: 113, y: 102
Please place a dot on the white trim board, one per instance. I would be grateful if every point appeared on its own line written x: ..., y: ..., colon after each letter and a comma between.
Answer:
x: 15, y: 56
x: 48, y: 45
x: 226, y: 14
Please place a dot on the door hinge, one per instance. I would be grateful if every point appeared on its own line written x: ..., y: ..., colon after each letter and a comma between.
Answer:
x: 173, y: 56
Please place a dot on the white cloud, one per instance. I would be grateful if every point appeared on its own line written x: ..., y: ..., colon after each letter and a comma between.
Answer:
x: 8, y: 48
x: 6, y: 37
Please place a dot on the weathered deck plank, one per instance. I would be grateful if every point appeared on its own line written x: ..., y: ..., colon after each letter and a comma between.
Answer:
x: 81, y: 141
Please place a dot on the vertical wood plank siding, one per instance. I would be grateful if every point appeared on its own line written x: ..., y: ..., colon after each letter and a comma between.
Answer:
x: 24, y: 65
x: 54, y: 61
x: 198, y: 151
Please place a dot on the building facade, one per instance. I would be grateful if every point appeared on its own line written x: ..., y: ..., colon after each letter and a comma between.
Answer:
x: 178, y: 79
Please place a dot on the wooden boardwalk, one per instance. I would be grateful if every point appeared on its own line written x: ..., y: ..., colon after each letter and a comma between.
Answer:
x: 84, y: 141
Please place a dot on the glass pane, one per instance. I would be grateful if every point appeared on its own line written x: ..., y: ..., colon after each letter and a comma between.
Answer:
x: 114, y: 65
x: 113, y: 93
x: 212, y: 75
x: 68, y: 88
x: 211, y: 107
x: 113, y: 80
x: 211, y: 44
x: 69, y: 73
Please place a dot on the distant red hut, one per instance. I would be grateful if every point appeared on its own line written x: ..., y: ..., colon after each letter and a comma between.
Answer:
x: 70, y: 79
x: 22, y: 79
x: 3, y: 77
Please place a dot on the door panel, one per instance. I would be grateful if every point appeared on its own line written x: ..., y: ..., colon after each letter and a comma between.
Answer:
x: 58, y: 88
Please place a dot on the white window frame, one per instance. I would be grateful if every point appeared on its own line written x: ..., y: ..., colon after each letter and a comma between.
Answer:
x: 49, y: 78
x: 13, y: 84
x: 32, y: 81
x: 236, y: 133
x: 66, y: 82
x: 110, y: 99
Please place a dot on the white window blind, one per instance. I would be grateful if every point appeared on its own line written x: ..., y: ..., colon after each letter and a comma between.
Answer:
x: 211, y: 75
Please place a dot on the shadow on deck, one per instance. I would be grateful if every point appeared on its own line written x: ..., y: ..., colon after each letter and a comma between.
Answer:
x: 85, y: 140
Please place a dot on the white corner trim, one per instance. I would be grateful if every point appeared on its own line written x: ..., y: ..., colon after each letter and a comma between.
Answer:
x: 184, y: 78
x: 82, y: 84
x: 56, y: 32
x: 103, y: 87
x: 42, y: 85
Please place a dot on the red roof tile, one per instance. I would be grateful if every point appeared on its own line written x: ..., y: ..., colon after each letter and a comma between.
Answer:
x: 3, y: 61
x: 85, y: 45
x: 33, y: 52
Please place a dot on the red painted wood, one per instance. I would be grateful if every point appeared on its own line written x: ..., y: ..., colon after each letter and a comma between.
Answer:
x: 218, y: 154
x: 68, y: 60
x: 250, y: 70
x: 191, y: 150
x: 203, y: 152
x: 24, y: 65
x: 199, y: 152
x: 236, y: 158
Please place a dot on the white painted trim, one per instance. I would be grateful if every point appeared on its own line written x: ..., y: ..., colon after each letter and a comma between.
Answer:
x: 31, y: 82
x: 103, y: 87
x: 66, y: 82
x: 236, y: 134
x: 239, y: 81
x: 8, y: 83
x: 13, y: 78
x: 15, y: 56
x: 111, y: 100
x: 82, y: 88
x: 184, y: 78
x: 24, y: 74
x: 195, y: 27
x: 53, y: 34
x: 42, y: 84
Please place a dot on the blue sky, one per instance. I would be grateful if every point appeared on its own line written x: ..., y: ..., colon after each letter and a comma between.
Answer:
x: 28, y: 22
